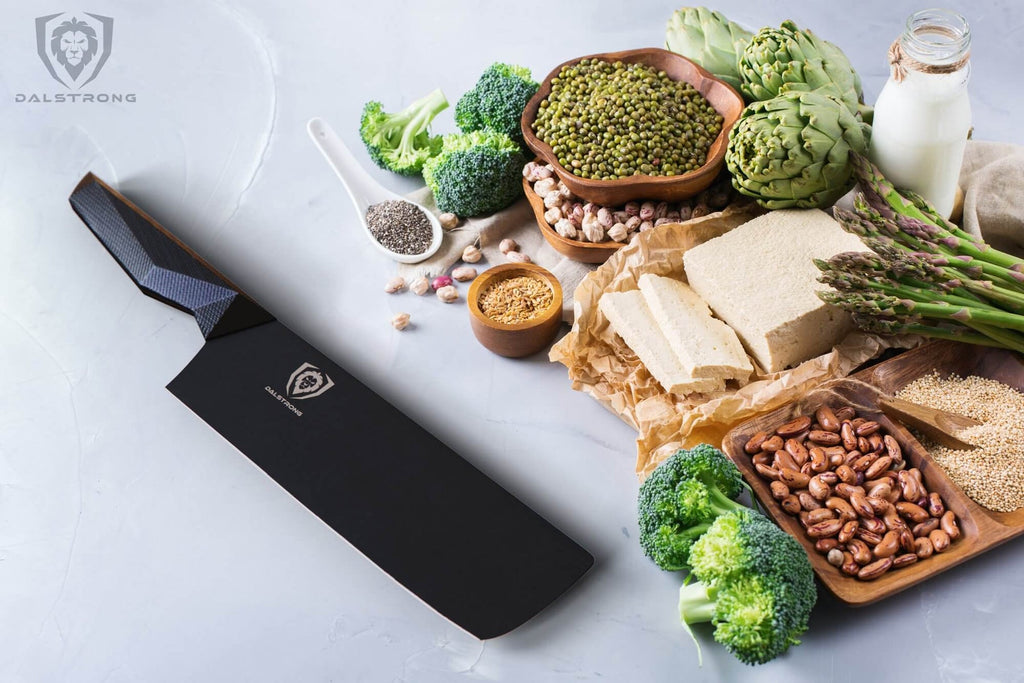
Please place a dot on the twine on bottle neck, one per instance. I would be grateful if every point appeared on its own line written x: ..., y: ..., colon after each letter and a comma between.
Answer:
x: 901, y: 62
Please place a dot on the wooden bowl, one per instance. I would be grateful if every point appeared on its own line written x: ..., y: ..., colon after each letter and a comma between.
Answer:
x: 587, y: 252
x: 521, y: 339
x: 721, y: 95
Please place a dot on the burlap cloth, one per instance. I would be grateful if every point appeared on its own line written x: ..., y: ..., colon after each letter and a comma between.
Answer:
x: 992, y: 179
x: 517, y: 222
x: 600, y: 364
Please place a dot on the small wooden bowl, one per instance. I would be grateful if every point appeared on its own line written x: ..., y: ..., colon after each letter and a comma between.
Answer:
x: 521, y: 339
x: 587, y: 252
x: 720, y: 94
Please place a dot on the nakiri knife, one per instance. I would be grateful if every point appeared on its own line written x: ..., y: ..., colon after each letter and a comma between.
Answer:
x: 428, y: 518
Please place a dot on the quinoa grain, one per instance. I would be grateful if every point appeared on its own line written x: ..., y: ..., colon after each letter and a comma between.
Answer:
x: 992, y: 474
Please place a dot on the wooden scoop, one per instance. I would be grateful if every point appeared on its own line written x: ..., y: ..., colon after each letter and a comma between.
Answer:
x: 938, y: 425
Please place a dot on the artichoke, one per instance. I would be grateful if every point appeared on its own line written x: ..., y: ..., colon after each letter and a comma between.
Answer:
x: 709, y: 39
x: 794, y: 150
x: 784, y: 59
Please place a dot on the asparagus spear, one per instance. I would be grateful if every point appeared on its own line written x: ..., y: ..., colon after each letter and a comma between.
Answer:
x: 958, y: 333
x: 884, y: 198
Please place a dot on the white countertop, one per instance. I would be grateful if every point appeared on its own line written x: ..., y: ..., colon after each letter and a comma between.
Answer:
x: 137, y: 545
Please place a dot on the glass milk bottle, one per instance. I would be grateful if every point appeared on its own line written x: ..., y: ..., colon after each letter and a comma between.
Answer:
x: 923, y: 116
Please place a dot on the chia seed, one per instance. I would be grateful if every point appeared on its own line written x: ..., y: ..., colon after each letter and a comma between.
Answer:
x: 400, y: 227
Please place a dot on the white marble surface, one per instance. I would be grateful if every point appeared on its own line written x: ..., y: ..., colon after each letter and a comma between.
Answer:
x: 137, y: 545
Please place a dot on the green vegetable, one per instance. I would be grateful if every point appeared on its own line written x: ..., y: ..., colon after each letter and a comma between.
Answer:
x: 794, y: 150
x: 755, y: 584
x: 786, y: 59
x: 497, y: 101
x: 610, y: 120
x: 680, y: 499
x: 475, y: 173
x: 710, y: 40
x: 402, y: 142
x: 925, y: 275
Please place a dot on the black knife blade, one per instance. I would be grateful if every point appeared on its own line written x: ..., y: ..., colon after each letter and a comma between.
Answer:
x: 419, y: 511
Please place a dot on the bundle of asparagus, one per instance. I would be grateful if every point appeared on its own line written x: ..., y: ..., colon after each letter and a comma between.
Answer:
x: 924, y: 275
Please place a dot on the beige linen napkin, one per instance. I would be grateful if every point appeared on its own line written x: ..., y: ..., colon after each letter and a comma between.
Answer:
x: 992, y: 179
x: 517, y: 222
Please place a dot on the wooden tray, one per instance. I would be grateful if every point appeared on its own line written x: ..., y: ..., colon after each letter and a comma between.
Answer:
x: 981, y: 529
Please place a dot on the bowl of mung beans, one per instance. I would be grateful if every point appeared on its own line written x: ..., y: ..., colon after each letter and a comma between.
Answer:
x: 638, y: 124
x: 515, y: 308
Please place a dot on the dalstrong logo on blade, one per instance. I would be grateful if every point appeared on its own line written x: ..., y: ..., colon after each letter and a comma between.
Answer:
x: 74, y: 47
x: 308, y: 381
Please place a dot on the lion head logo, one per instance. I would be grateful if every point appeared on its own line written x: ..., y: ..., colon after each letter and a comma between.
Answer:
x: 74, y: 47
x: 74, y: 44
x: 308, y: 381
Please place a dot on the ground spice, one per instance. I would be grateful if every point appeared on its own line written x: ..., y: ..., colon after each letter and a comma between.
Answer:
x: 992, y: 474
x: 400, y: 226
x: 516, y: 299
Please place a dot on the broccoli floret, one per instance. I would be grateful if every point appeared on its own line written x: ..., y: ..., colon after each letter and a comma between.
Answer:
x: 678, y: 501
x: 475, y: 173
x: 755, y: 584
x: 402, y: 142
x: 497, y: 101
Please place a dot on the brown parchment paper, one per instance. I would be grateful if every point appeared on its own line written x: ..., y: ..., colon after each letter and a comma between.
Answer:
x: 601, y: 364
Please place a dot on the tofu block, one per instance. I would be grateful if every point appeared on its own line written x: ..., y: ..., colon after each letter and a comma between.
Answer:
x: 760, y: 278
x: 633, y: 321
x: 706, y: 346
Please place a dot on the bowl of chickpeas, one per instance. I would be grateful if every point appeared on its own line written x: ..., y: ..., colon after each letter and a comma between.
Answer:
x: 620, y: 126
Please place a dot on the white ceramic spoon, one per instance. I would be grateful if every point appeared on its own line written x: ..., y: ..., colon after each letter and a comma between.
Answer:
x: 364, y: 190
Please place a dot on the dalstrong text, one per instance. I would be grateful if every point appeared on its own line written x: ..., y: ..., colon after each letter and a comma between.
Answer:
x: 283, y: 401
x: 73, y: 97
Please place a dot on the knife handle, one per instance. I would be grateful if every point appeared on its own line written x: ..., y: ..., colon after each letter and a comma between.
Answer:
x: 160, y: 264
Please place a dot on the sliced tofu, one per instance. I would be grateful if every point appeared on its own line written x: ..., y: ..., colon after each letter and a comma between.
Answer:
x: 633, y: 321
x: 706, y: 346
x: 760, y: 278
